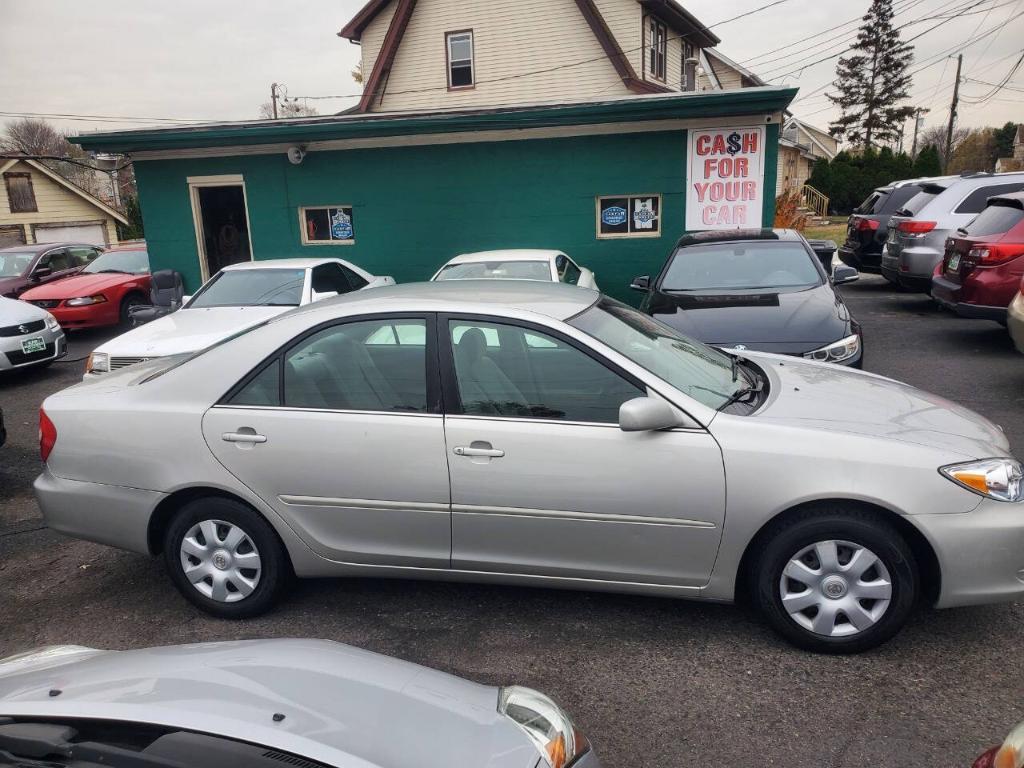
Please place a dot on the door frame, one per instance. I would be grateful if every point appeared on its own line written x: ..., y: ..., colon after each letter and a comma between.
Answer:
x: 195, y: 183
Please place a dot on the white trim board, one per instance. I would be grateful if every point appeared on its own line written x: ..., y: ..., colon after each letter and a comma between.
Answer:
x: 468, y: 137
x: 195, y: 183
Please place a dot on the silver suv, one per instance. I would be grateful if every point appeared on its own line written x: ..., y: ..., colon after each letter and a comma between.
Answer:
x: 918, y: 231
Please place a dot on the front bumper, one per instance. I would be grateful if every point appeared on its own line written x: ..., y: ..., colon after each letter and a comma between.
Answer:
x: 980, y: 553
x: 1015, y: 321
x: 948, y: 294
x: 12, y: 356
x: 93, y: 316
x: 107, y: 514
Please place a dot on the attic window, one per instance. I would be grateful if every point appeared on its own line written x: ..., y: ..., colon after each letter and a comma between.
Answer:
x: 460, y: 59
x: 657, y: 47
x: 21, y: 198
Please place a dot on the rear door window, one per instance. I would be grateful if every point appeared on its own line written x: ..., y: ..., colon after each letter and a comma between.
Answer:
x: 978, y: 199
x: 995, y: 220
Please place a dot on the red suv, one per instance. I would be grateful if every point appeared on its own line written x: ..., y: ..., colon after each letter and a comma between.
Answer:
x: 983, y: 265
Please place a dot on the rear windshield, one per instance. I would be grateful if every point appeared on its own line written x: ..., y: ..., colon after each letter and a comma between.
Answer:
x: 995, y: 220
x: 915, y: 204
x: 873, y: 203
x: 898, y: 198
x: 744, y: 265
x: 252, y: 288
x: 497, y: 270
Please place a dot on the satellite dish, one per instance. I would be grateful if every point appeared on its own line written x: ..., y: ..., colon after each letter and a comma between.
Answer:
x: 296, y: 155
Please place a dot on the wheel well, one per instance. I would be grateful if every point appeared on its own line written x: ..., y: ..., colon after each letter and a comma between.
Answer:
x: 168, y: 508
x: 927, y: 563
x: 135, y: 292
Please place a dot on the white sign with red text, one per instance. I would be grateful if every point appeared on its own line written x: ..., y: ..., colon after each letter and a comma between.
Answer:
x: 725, y: 183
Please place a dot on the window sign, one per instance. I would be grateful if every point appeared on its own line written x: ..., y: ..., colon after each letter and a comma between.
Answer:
x: 725, y: 182
x: 333, y: 225
x: 633, y: 216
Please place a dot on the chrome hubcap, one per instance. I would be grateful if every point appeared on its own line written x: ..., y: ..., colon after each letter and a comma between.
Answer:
x: 220, y: 560
x: 835, y: 588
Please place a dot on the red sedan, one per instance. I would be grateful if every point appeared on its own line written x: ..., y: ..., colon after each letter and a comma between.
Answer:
x: 984, y: 262
x: 101, y: 294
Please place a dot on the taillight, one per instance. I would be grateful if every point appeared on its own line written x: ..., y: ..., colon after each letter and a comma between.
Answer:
x: 991, y: 255
x: 867, y: 225
x: 47, y: 435
x: 917, y: 228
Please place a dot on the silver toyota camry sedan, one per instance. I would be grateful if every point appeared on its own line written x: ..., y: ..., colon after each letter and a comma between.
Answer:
x: 269, y: 704
x: 539, y: 434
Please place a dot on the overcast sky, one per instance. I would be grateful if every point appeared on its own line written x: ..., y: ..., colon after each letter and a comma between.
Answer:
x: 215, y: 59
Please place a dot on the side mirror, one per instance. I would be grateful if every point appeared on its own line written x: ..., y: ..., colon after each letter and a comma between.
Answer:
x: 642, y: 283
x: 320, y: 296
x: 647, y: 414
x: 843, y: 274
x: 40, y: 272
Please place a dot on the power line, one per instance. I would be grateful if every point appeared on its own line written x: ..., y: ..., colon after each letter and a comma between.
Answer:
x: 102, y: 118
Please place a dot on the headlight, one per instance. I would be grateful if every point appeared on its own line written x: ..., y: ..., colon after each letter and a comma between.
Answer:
x: 85, y: 301
x: 98, y: 362
x: 547, y: 725
x: 999, y: 479
x: 837, y: 352
x: 51, y: 323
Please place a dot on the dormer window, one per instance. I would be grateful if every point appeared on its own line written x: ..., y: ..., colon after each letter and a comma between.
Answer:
x: 460, y: 59
x: 657, y: 48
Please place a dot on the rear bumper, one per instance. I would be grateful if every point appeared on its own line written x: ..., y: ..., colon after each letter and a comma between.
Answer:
x: 949, y: 294
x: 860, y: 259
x: 980, y: 553
x: 911, y: 266
x: 1015, y: 322
x: 107, y: 514
x: 910, y: 282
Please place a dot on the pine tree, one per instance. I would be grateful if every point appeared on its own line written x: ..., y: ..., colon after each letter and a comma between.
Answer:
x: 927, y: 162
x: 873, y: 81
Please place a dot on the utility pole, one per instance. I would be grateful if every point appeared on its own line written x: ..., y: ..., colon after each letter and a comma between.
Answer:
x: 273, y: 98
x: 952, y: 111
x: 917, y: 127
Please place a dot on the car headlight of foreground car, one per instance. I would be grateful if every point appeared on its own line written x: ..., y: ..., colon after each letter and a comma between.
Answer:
x: 98, y: 362
x: 51, y: 323
x: 547, y: 725
x: 836, y: 352
x: 86, y: 301
x: 999, y: 479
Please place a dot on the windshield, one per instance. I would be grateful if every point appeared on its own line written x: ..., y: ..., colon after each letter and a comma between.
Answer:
x: 14, y: 263
x: 703, y: 373
x: 741, y: 266
x: 498, y: 270
x: 129, y: 262
x: 252, y: 288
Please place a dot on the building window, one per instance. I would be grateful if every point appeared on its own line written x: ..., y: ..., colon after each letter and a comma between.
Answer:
x: 21, y: 198
x: 332, y: 225
x: 658, y: 47
x: 689, y: 67
x: 460, y: 59
x: 629, y: 216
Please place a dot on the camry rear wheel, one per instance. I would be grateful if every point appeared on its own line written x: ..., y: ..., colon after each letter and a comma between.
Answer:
x: 836, y: 580
x: 225, y: 558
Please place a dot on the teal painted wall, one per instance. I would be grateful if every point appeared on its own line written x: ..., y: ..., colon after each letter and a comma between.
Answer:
x: 416, y: 207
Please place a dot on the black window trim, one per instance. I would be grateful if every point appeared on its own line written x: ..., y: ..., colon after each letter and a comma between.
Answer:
x: 434, y: 398
x: 452, y: 400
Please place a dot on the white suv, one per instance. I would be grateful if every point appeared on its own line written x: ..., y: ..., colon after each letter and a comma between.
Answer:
x: 918, y: 231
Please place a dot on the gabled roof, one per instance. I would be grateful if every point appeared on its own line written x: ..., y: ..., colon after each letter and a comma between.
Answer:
x: 669, y: 10
x: 60, y: 180
x: 717, y: 54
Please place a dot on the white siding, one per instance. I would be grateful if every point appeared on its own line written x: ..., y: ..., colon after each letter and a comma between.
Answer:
x: 510, y: 39
x: 56, y: 204
x: 727, y: 76
x: 372, y: 39
x: 625, y: 20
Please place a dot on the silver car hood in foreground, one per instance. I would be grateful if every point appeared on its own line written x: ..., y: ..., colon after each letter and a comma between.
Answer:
x: 342, y: 706
x: 832, y: 397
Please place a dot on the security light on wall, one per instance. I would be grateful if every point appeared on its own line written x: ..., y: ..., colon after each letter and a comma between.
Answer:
x: 296, y: 155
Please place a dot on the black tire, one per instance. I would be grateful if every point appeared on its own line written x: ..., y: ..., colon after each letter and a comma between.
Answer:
x: 826, y: 523
x: 274, y: 569
x: 129, y: 301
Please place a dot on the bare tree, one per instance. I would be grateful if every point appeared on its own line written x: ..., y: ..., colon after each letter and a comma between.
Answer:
x: 38, y: 139
x: 287, y: 108
x: 936, y: 137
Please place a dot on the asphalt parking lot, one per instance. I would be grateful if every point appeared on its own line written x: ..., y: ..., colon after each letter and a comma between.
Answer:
x: 654, y: 682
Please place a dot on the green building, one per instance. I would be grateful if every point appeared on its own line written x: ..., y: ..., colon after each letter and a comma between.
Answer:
x: 613, y: 183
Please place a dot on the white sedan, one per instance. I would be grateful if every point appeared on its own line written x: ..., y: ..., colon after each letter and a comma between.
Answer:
x: 521, y: 264
x: 238, y: 297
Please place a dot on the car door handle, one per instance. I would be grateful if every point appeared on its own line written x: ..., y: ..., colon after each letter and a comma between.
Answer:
x: 491, y: 453
x: 243, y: 437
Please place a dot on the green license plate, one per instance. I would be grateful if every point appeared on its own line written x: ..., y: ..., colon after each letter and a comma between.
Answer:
x: 33, y: 345
x: 954, y: 262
